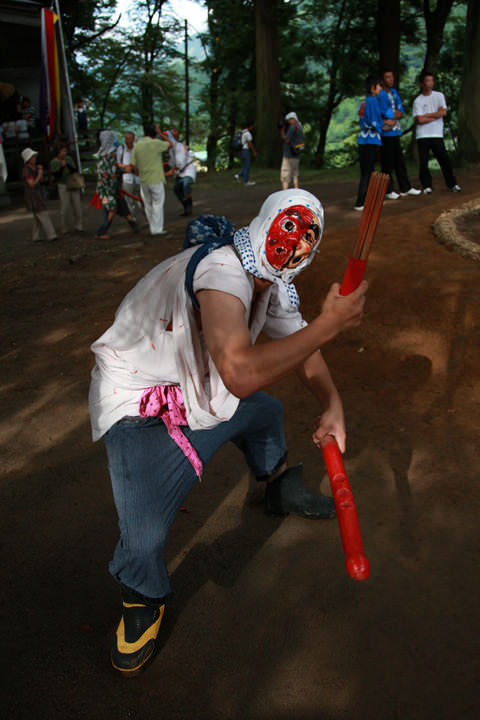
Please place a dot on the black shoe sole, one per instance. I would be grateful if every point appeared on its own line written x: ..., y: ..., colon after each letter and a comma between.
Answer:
x: 142, y: 657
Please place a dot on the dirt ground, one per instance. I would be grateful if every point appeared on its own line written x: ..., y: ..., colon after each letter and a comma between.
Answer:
x: 265, y: 623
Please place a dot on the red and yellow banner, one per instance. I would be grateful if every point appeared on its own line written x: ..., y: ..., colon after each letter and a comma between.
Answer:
x: 50, y: 91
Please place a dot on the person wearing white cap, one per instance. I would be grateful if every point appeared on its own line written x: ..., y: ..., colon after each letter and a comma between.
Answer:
x: 34, y: 200
x: 293, y: 145
x: 179, y: 374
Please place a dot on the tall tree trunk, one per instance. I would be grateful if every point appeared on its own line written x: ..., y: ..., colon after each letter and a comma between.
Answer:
x: 269, y: 109
x: 110, y: 87
x: 435, y: 23
x: 232, y: 122
x: 469, y: 104
x: 332, y: 102
x: 322, y: 139
x: 214, y: 113
x: 146, y: 110
x: 388, y: 31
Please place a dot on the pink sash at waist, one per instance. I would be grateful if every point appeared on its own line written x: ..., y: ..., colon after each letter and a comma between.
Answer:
x: 166, y: 402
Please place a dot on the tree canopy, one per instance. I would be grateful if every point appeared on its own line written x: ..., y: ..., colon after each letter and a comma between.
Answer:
x: 258, y: 59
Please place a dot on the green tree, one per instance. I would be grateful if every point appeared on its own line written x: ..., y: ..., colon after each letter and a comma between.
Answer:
x: 130, y: 77
x: 436, y: 15
x: 268, y: 105
x: 389, y: 31
x: 229, y: 96
x: 342, y: 49
x: 84, y: 23
x: 152, y: 46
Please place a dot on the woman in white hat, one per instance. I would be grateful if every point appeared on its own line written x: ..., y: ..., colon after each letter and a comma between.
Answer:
x: 34, y: 200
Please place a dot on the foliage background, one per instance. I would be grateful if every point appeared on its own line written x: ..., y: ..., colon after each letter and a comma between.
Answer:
x: 132, y: 71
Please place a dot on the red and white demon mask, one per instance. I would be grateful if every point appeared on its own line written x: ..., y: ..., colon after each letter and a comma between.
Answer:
x: 292, y: 236
x: 284, y: 236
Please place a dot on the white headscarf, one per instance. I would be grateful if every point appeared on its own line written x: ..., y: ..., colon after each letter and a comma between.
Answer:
x: 254, y: 257
x: 108, y: 140
x: 250, y: 242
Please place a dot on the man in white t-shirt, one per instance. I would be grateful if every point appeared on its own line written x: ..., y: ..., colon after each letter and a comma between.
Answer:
x: 182, y: 166
x: 179, y: 374
x: 130, y: 182
x: 246, y: 152
x: 429, y: 109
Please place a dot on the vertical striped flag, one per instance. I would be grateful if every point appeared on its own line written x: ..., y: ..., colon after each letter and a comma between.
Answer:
x: 50, y: 82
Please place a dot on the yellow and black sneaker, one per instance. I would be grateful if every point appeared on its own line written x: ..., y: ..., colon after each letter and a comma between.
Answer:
x: 135, y: 637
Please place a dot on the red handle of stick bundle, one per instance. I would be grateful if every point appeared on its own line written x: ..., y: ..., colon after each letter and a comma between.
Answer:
x: 356, y: 561
x: 353, y: 275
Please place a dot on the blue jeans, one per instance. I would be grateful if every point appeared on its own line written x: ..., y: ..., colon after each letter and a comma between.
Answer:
x: 246, y: 162
x: 183, y: 187
x: 105, y: 222
x: 151, y: 478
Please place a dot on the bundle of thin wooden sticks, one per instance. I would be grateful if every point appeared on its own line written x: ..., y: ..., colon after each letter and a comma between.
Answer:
x: 377, y: 187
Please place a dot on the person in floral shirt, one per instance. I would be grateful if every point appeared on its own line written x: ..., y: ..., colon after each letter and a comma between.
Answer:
x: 108, y: 177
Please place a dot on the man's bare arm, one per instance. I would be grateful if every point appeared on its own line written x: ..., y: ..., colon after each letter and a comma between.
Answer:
x: 315, y: 375
x: 246, y: 368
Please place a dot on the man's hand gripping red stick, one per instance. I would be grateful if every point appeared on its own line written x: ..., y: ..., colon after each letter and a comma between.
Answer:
x: 356, y: 561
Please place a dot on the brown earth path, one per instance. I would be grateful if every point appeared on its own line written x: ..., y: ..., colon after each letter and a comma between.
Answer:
x: 265, y: 624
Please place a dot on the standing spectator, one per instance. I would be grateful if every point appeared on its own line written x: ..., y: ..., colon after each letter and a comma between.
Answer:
x: 107, y: 185
x: 34, y: 199
x: 245, y: 154
x: 370, y: 139
x: 391, y: 152
x: 147, y: 162
x: 82, y: 119
x: 25, y: 123
x: 28, y: 112
x: 182, y: 164
x: 61, y: 167
x: 429, y: 109
x: 21, y: 128
x: 292, y: 138
x: 130, y: 181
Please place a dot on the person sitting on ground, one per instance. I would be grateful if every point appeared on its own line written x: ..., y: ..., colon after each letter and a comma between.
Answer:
x: 179, y: 374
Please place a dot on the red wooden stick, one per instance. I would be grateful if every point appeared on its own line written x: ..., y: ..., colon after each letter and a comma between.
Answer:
x: 134, y: 197
x: 356, y: 561
x: 357, y: 261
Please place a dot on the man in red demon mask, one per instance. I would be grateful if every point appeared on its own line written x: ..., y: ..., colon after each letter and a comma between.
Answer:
x: 178, y: 374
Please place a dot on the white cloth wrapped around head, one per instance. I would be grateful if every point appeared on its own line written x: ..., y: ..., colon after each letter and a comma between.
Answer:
x: 282, y: 240
x: 286, y: 220
x: 108, y: 142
